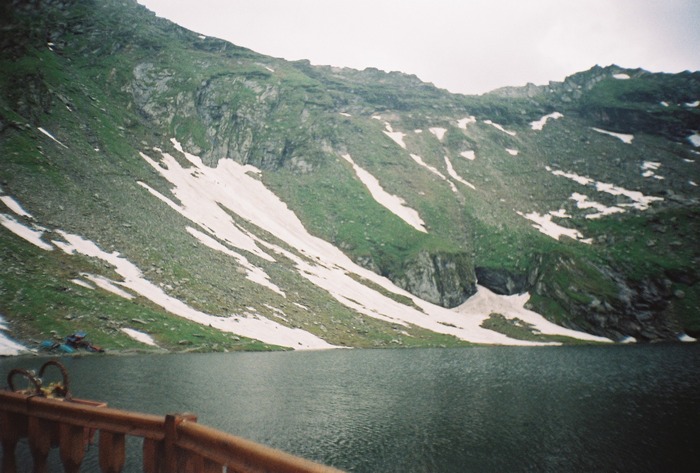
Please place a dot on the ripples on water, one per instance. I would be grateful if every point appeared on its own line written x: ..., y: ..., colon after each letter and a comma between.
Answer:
x: 620, y: 408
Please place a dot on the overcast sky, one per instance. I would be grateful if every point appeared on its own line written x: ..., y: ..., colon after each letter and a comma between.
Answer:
x: 465, y: 46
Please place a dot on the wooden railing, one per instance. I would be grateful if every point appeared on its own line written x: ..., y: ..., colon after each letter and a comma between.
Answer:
x: 173, y: 443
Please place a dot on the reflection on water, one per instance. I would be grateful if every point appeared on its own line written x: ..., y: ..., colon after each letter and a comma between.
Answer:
x: 620, y: 408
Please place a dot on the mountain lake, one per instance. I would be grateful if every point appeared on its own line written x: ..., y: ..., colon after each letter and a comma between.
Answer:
x: 623, y: 408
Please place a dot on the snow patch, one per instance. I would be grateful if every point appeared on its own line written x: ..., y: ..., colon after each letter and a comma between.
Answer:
x: 694, y: 139
x: 621, y: 76
x: 140, y: 336
x: 51, y: 136
x: 434, y: 170
x: 649, y: 167
x: 582, y: 202
x: 499, y: 127
x: 253, y: 273
x: 639, y: 200
x: 438, y: 132
x: 512, y: 307
x: 466, y: 121
x: 664, y: 104
x: 620, y: 136
x: 82, y: 283
x: 396, y: 136
x: 451, y: 171
x: 32, y: 235
x: 584, y: 181
x: 393, y: 203
x: 512, y: 152
x: 206, y: 212
x: 539, y: 124
x: 134, y: 280
x: 108, y: 285
x: 544, y: 224
x: 470, y: 155
x: 14, y: 206
x: 692, y: 104
x: 9, y: 347
x: 683, y: 337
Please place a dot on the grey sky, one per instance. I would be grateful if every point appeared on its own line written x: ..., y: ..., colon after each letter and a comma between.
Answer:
x: 465, y: 46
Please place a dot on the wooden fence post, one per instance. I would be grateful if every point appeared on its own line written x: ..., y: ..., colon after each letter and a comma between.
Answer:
x: 40, y: 438
x: 153, y: 456
x: 72, y: 447
x: 12, y: 428
x: 112, y: 452
x: 170, y: 450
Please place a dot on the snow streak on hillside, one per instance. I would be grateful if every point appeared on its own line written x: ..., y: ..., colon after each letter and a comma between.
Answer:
x: 133, y: 282
x: 8, y: 347
x: 205, y: 192
x: 638, y: 200
x: 393, y: 203
x: 433, y: 170
x: 625, y: 138
x: 539, y: 124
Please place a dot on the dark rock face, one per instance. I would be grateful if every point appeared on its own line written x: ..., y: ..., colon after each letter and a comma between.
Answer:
x: 441, y: 278
x: 639, y: 309
x: 502, y: 281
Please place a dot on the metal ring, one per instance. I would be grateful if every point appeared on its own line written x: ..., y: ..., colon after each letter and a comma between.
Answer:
x: 64, y: 374
x: 27, y: 374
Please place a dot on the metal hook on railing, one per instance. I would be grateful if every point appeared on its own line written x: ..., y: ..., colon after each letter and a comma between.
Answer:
x: 62, y: 390
x: 30, y: 375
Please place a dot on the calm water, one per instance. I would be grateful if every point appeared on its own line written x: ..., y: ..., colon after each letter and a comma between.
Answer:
x: 573, y: 409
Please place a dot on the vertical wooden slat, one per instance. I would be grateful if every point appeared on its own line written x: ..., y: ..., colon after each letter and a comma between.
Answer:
x: 153, y: 454
x: 112, y: 452
x: 191, y: 462
x: 211, y: 466
x: 12, y: 428
x: 170, y: 450
x: 40, y: 438
x: 72, y: 447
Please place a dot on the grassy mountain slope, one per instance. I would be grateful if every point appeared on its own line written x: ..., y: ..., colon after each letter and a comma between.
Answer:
x: 108, y: 81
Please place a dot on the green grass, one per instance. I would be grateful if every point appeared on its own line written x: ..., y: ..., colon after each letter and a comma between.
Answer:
x: 221, y: 98
x: 521, y: 330
x: 40, y: 302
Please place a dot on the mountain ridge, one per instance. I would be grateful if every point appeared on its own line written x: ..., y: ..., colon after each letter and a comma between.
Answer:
x: 476, y: 170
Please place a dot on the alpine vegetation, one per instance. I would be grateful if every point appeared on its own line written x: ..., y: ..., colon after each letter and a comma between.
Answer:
x: 162, y: 190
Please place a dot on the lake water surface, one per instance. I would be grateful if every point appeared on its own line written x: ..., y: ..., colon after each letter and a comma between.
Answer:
x: 490, y: 409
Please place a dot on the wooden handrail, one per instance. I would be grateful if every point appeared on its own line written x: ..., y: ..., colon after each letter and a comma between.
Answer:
x: 239, y: 454
x: 82, y: 413
x: 171, y: 444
